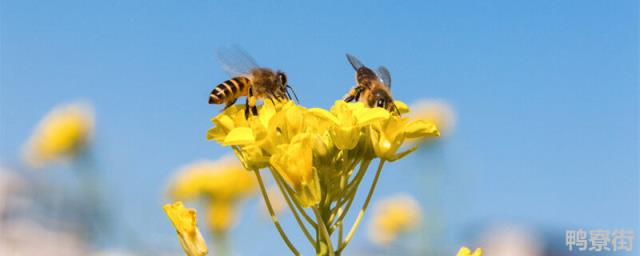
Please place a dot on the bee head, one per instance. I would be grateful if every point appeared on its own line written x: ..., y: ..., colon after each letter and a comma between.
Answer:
x: 382, y: 99
x: 282, y: 79
x: 284, y: 86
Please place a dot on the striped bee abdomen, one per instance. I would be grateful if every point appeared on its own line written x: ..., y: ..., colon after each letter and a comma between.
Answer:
x: 229, y: 90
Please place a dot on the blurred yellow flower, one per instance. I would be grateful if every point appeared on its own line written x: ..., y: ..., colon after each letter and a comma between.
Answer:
x: 61, y: 134
x: 464, y: 251
x: 221, y: 215
x: 184, y: 221
x: 392, y: 217
x: 221, y: 184
x: 439, y: 112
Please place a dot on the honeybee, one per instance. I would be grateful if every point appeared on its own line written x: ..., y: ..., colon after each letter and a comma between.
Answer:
x: 250, y: 80
x: 374, y: 90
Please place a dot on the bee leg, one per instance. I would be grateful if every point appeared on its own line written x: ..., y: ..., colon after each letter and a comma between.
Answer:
x: 351, y: 95
x: 251, y: 103
x: 272, y: 96
x: 349, y: 98
x: 354, y: 94
x: 359, y: 91
x: 246, y: 109
x: 230, y: 103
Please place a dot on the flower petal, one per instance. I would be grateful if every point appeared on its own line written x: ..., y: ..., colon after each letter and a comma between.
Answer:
x: 402, y: 107
x: 464, y: 251
x: 239, y: 136
x: 184, y: 220
x: 370, y: 115
x: 421, y: 128
x: 326, y: 115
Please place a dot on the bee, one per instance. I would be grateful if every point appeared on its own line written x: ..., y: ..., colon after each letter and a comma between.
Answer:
x: 250, y: 80
x: 374, y: 90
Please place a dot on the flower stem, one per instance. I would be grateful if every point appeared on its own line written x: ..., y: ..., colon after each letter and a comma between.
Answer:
x: 274, y: 219
x: 295, y: 200
x: 221, y: 244
x: 353, y: 187
x: 323, y: 230
x: 293, y: 209
x: 346, y: 241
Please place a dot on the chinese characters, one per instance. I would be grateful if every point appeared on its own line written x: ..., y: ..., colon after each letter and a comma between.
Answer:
x: 599, y: 240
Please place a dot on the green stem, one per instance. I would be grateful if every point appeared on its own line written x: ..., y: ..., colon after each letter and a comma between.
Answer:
x: 295, y: 201
x: 274, y: 219
x: 353, y: 187
x: 293, y: 209
x: 221, y: 244
x: 346, y: 241
x: 323, y: 230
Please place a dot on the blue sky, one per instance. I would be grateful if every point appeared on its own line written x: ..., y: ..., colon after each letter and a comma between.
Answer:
x: 546, y: 94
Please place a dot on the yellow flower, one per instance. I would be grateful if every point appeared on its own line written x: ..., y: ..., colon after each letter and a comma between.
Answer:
x: 347, y: 121
x: 315, y: 153
x: 295, y: 163
x: 394, y: 216
x: 389, y: 135
x: 184, y: 221
x: 222, y: 184
x: 313, y: 148
x: 61, y: 134
x: 464, y: 251
x: 221, y: 215
x: 439, y: 112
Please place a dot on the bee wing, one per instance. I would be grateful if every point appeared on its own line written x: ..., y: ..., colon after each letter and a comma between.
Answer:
x: 355, y: 63
x: 235, y: 61
x: 384, y: 74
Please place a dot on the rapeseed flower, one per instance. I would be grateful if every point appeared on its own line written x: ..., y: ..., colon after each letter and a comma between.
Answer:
x: 464, y: 251
x: 61, y: 134
x: 184, y: 221
x: 392, y: 217
x: 317, y: 157
x: 221, y: 185
x: 439, y: 112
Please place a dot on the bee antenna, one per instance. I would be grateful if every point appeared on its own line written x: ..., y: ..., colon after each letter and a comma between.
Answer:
x: 294, y: 93
x: 288, y: 94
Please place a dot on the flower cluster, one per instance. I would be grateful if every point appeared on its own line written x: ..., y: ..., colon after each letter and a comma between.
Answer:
x: 314, y: 148
x: 313, y: 154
